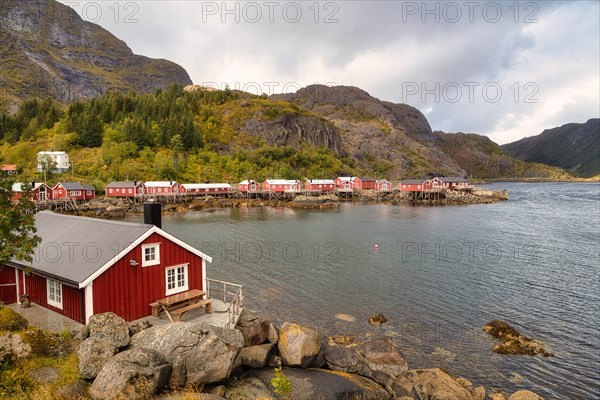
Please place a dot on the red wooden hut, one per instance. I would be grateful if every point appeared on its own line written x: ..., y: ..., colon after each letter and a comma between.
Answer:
x: 162, y: 188
x: 73, y: 190
x: 414, y: 185
x: 40, y: 192
x: 363, y: 182
x: 344, y: 183
x: 84, y: 266
x: 205, y: 188
x: 383, y: 185
x: 320, y: 185
x: 281, y: 185
x: 124, y: 189
x: 249, y: 185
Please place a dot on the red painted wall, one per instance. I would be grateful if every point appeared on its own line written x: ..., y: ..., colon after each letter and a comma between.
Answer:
x: 127, y: 291
x: 36, y: 288
x: 8, y: 287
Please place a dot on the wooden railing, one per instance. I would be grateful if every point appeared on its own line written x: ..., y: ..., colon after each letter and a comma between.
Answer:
x: 231, y: 293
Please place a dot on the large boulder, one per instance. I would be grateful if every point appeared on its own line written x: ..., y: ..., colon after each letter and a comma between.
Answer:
x: 430, y: 384
x: 525, y: 395
x: 299, y: 346
x: 254, y: 329
x: 382, y: 359
x: 111, y: 327
x: 200, y: 354
x: 93, y: 354
x: 12, y: 347
x: 77, y: 390
x: 343, y: 359
x: 256, y: 356
x: 133, y: 374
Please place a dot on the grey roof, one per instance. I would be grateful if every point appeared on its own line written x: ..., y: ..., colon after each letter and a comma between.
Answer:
x: 88, y: 187
x: 129, y: 184
x: 72, y: 185
x: 74, y: 248
x: 452, y: 179
x: 413, y: 181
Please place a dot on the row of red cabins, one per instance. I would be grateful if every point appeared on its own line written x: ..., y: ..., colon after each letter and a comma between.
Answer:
x: 317, y: 185
x: 62, y: 190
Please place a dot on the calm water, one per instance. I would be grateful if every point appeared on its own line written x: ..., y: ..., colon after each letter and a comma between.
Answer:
x: 439, y: 274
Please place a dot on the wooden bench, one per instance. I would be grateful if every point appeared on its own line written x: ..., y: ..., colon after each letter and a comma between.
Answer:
x: 178, y: 313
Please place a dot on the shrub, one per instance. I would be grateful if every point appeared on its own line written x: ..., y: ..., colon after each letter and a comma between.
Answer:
x: 11, y: 320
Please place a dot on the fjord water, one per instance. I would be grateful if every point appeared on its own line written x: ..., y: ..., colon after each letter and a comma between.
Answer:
x: 438, y: 275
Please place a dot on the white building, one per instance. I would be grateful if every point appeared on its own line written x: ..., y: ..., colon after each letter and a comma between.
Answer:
x: 60, y: 158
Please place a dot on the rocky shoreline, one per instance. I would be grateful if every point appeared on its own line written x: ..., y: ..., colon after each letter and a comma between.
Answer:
x: 106, y: 207
x: 256, y: 360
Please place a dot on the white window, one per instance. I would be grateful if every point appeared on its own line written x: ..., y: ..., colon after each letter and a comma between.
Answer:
x: 54, y: 290
x: 176, y: 279
x: 130, y: 190
x: 150, y: 254
x: 110, y: 190
x: 159, y: 190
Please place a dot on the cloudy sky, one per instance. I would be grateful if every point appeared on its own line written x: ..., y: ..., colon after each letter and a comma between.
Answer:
x: 505, y: 69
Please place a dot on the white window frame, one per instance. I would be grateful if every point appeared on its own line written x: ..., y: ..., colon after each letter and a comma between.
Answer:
x: 54, y: 285
x: 179, y: 287
x: 156, y: 260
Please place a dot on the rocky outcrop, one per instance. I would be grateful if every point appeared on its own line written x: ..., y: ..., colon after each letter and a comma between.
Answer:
x: 11, y: 320
x: 377, y: 133
x: 200, y: 354
x: 254, y: 329
x: 299, y: 346
x: 54, y: 53
x: 295, y: 129
x: 77, y: 390
x: 306, y: 384
x: 133, y: 374
x: 93, y: 353
x: 524, y: 395
x: 432, y: 384
x: 111, y: 328
x: 513, y: 342
x: 12, y: 347
x: 45, y: 375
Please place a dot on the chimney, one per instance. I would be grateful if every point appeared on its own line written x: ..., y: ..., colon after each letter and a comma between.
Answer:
x: 152, y: 214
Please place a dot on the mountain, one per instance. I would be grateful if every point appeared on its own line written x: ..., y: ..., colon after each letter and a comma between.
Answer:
x: 482, y: 158
x: 393, y: 140
x: 49, y: 51
x: 574, y: 147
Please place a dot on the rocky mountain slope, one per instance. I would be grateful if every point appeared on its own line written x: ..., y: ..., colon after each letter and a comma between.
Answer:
x: 389, y: 139
x: 49, y: 51
x: 482, y: 158
x: 574, y: 147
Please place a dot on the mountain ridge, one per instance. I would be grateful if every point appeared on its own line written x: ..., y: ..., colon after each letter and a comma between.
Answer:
x: 572, y: 146
x: 50, y: 51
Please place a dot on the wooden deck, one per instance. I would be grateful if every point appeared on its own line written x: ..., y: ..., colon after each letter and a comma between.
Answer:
x: 218, y: 317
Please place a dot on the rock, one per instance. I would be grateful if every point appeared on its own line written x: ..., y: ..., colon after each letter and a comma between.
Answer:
x: 381, y: 355
x: 498, y: 396
x: 136, y: 327
x: 111, y: 327
x: 465, y: 383
x: 513, y: 342
x: 275, y: 361
x: 93, y: 354
x: 429, y: 384
x: 343, y: 340
x: 478, y: 393
x: 77, y: 390
x: 377, y: 320
x: 344, y: 359
x: 249, y: 389
x: 254, y: 329
x: 256, y: 356
x: 11, y: 320
x: 524, y: 395
x: 133, y: 374
x: 218, y: 390
x: 45, y: 375
x: 12, y: 347
x: 298, y: 345
x: 272, y: 333
x: 201, y: 354
x: 309, y: 384
x: 189, y: 396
